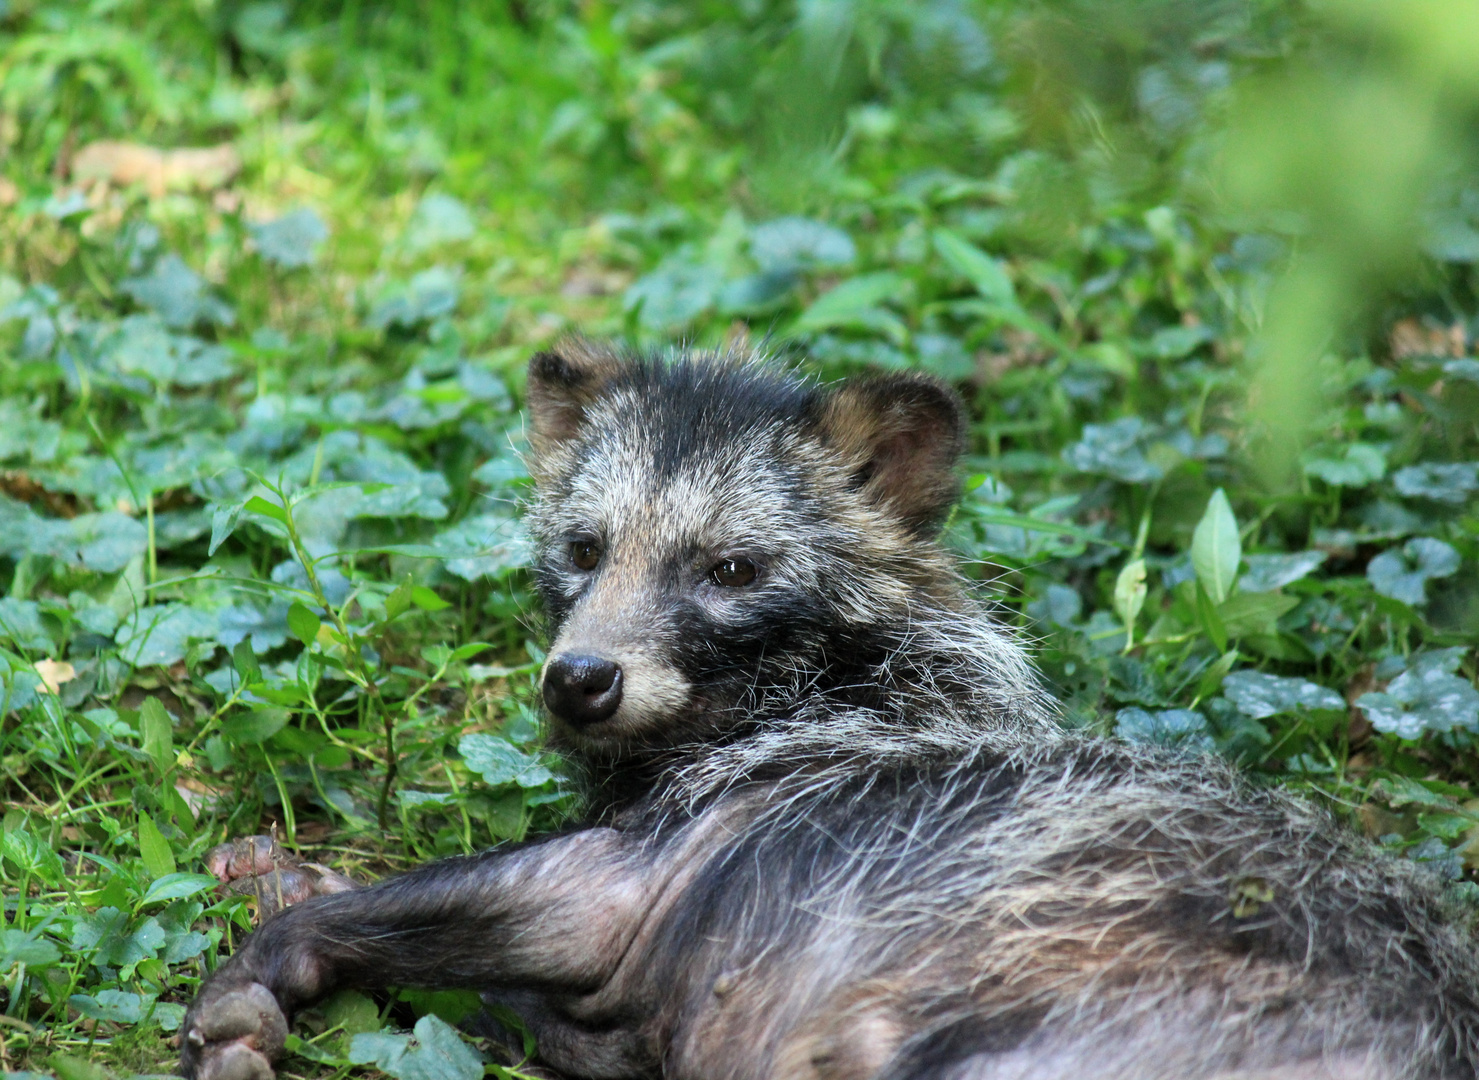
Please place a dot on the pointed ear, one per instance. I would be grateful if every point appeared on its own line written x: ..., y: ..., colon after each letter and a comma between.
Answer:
x: 902, y: 435
x: 562, y: 384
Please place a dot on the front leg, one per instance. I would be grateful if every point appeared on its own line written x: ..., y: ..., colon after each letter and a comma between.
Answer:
x: 558, y: 913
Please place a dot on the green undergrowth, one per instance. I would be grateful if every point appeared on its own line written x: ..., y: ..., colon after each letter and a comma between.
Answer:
x: 260, y: 473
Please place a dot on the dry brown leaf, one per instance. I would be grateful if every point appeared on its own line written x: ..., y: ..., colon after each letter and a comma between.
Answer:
x: 186, y: 169
x: 1409, y: 337
x: 53, y: 673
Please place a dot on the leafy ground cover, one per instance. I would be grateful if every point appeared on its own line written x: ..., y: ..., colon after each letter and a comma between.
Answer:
x: 259, y: 428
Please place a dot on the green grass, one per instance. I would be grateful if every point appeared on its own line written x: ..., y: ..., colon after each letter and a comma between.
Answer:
x: 259, y: 483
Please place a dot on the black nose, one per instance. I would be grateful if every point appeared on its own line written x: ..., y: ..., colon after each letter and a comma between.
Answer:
x: 582, y: 690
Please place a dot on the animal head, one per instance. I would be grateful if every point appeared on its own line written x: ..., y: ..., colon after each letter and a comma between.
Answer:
x: 709, y: 530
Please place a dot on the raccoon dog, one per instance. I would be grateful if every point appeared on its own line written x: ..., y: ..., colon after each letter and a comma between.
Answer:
x: 834, y: 831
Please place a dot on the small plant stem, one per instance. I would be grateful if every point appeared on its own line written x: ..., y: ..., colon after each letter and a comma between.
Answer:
x: 354, y: 662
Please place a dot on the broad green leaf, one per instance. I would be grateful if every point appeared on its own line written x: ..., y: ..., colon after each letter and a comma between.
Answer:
x: 32, y: 855
x: 156, y: 734
x: 154, y: 848
x: 427, y: 599
x: 1246, y: 614
x: 981, y: 270
x: 255, y: 726
x: 258, y: 505
x: 1265, y: 573
x: 854, y: 304
x: 398, y: 602
x: 26, y: 947
x: 303, y: 623
x: 438, y: 219
x: 1216, y: 548
x: 471, y: 649
x: 160, y: 634
x: 173, y: 886
x: 224, y: 520
x: 790, y: 244
x: 1209, y: 618
x: 244, y: 658
x: 1116, y: 449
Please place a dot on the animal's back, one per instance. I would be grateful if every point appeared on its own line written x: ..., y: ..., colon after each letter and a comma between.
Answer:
x: 1086, y: 911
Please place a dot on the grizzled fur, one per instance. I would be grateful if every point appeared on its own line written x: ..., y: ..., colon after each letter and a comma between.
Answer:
x: 835, y: 833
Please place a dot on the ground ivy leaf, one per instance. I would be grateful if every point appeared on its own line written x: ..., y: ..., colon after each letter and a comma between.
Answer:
x: 1451, y: 483
x: 1265, y: 573
x: 1260, y: 695
x: 1403, y: 575
x: 117, y: 943
x: 1165, y: 727
x: 430, y: 294
x: 499, y: 761
x: 115, y: 1006
x: 433, y: 1051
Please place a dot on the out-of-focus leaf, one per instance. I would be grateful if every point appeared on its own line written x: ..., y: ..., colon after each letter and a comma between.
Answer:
x: 986, y: 274
x: 1358, y: 465
x: 20, y: 624
x: 429, y: 295
x: 1115, y: 449
x: 156, y: 734
x: 795, y: 243
x: 26, y: 947
x: 854, y: 305
x: 438, y: 219
x: 178, y: 294
x: 674, y: 295
x: 1402, y: 575
x: 292, y: 240
x: 1450, y: 483
x: 1260, y: 695
x: 1265, y: 573
x: 160, y: 633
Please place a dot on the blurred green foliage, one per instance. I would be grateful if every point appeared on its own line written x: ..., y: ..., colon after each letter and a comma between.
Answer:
x: 1203, y: 270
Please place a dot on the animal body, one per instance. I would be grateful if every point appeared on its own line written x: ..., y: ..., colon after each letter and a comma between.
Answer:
x: 835, y: 832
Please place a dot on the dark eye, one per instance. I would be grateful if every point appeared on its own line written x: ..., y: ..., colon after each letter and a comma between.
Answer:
x: 585, y: 554
x: 733, y: 573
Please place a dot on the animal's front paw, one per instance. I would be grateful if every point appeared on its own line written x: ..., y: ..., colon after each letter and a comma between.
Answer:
x: 258, y: 866
x: 232, y: 1033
